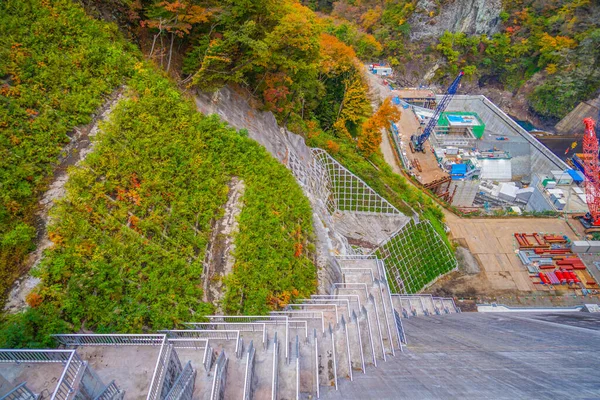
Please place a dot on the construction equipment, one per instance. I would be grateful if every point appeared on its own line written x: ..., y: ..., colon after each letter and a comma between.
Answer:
x: 591, y: 166
x: 419, y: 140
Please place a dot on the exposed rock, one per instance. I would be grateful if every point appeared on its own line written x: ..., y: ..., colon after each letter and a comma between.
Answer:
x: 473, y: 17
x: 73, y: 154
x: 219, y: 259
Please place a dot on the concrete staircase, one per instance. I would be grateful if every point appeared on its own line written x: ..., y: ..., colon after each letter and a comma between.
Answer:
x: 308, y: 348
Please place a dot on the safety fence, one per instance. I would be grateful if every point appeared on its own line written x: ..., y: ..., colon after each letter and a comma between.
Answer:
x: 249, y: 376
x: 220, y: 377
x: 183, y: 388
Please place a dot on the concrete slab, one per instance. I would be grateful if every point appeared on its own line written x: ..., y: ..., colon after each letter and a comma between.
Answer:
x: 488, y: 356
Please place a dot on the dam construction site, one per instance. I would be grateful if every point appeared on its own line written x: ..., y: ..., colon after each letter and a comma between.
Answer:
x: 279, y: 200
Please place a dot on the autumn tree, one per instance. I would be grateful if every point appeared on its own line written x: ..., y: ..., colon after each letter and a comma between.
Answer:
x: 369, y: 139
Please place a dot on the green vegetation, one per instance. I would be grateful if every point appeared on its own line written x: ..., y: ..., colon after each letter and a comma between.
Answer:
x: 418, y: 258
x: 56, y: 65
x: 559, y: 40
x: 129, y: 237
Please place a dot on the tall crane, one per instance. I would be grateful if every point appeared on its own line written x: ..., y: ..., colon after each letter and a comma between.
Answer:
x: 419, y: 140
x: 592, y: 172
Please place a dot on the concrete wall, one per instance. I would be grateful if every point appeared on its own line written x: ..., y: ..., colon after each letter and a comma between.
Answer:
x: 529, y: 155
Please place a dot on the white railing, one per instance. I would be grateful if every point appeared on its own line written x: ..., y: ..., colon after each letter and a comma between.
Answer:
x: 208, y: 358
x: 334, y: 307
x: 335, y: 381
x: 239, y: 347
x: 219, y: 379
x: 297, y: 348
x: 186, y: 343
x: 66, y: 383
x: 274, y: 382
x: 249, y: 372
x: 109, y: 392
x: 105, y: 340
x: 20, y: 392
x: 316, y: 340
x: 360, y: 345
x: 359, y: 270
x: 159, y: 370
x: 345, y: 328
x: 383, y: 275
x: 183, y: 388
x: 35, y: 356
x: 366, y: 314
x: 303, y: 314
x: 240, y: 326
x: 385, y: 314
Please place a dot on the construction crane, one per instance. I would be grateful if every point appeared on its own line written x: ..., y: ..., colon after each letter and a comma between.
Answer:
x: 417, y: 141
x: 591, y: 168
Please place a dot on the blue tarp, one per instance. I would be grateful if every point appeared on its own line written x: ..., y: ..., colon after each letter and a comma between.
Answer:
x: 459, y: 169
x: 396, y: 100
x: 576, y: 175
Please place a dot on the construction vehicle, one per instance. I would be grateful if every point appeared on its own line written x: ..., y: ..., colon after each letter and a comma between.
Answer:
x: 417, y: 140
x: 591, y: 165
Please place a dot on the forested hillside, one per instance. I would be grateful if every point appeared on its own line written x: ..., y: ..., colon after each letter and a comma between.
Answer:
x: 130, y: 235
x: 555, y: 42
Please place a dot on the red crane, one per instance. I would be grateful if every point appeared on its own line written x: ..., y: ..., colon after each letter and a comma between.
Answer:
x: 592, y: 172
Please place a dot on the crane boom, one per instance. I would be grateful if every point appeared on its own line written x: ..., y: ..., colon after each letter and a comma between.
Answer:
x: 419, y: 140
x: 592, y: 171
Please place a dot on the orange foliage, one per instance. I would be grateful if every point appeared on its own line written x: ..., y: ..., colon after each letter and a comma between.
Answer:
x: 34, y: 300
x: 332, y: 147
x: 370, y: 136
x: 337, y: 57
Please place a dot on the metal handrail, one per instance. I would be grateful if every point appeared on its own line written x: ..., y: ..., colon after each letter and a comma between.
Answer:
x: 187, y: 343
x: 159, y: 370
x: 381, y: 267
x: 220, y: 369
x: 81, y: 339
x: 66, y: 382
x: 317, y: 362
x: 249, y: 372
x: 21, y: 392
x: 34, y: 356
x: 275, y: 382
x: 335, y: 381
x: 183, y: 388
x: 208, y: 357
x: 109, y: 392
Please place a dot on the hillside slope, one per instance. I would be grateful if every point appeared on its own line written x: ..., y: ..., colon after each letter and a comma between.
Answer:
x: 546, y: 52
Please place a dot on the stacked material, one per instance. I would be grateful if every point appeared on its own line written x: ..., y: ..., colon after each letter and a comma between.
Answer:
x: 573, y: 262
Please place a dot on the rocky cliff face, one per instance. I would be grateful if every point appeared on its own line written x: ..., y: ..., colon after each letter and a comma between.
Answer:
x: 468, y: 16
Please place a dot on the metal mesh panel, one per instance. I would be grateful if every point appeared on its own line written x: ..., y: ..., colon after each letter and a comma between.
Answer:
x: 415, y: 256
x: 339, y: 189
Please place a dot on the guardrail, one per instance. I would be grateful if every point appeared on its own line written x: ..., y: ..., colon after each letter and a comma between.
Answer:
x: 335, y: 381
x: 383, y: 275
x: 187, y: 343
x: 205, y: 334
x: 239, y: 347
x: 303, y: 314
x: 208, y: 358
x: 109, y: 392
x: 220, y: 377
x: 248, y: 376
x: 114, y: 339
x: 159, y: 370
x: 297, y: 351
x: 345, y: 328
x: 385, y: 315
x: 274, y: 382
x: 20, y: 392
x: 183, y: 388
x: 360, y: 345
x: 400, y: 327
x: 366, y: 314
x: 316, y: 340
x: 66, y: 383
x: 35, y: 356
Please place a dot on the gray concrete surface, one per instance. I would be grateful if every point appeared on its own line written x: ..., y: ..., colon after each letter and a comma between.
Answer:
x: 489, y: 356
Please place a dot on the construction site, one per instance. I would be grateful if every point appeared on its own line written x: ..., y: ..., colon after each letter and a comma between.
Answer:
x: 374, y: 330
x: 470, y: 153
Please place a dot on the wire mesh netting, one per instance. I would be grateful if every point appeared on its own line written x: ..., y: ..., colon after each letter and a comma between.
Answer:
x: 415, y: 256
x: 349, y: 192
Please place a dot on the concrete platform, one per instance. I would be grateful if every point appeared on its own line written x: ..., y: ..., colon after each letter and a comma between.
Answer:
x: 488, y: 356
